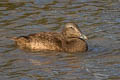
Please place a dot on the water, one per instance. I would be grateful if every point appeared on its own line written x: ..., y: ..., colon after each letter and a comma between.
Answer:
x: 98, y: 19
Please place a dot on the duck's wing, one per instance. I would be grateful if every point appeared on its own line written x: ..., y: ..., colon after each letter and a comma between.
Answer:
x: 42, y: 40
x: 52, y: 40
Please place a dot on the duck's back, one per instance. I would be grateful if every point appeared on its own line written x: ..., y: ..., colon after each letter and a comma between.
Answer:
x: 41, y: 41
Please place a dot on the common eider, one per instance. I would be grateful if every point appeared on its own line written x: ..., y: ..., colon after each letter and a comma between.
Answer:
x: 70, y: 39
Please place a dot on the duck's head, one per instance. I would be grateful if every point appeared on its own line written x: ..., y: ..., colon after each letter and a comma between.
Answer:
x: 71, y: 30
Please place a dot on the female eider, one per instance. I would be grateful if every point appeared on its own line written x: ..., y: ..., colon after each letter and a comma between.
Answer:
x: 70, y: 39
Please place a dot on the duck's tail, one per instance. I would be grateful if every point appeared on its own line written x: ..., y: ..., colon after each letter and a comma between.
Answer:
x: 14, y: 38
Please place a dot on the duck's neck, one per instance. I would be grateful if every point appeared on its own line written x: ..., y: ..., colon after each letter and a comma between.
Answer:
x: 72, y: 38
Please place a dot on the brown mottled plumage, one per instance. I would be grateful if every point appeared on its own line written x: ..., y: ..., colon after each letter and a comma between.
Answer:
x: 69, y: 40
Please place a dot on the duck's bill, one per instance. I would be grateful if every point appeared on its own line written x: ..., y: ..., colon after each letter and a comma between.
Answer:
x: 83, y: 37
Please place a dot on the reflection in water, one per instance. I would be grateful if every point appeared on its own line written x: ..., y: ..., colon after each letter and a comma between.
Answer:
x: 99, y: 20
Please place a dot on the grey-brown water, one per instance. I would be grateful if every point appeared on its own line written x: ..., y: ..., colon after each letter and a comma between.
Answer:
x: 98, y: 19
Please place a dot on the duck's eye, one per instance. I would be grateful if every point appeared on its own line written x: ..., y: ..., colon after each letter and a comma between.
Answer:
x: 71, y: 27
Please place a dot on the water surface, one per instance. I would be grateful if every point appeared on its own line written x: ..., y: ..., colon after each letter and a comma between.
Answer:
x: 98, y: 19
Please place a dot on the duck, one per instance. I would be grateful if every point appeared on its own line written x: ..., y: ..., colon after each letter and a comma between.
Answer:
x: 70, y: 39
